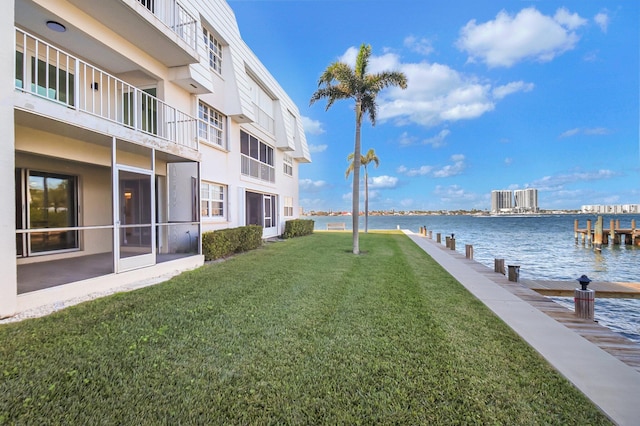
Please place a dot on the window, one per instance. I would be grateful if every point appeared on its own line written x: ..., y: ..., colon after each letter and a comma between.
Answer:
x: 288, y: 165
x: 212, y: 198
x: 52, y: 203
x: 48, y: 79
x: 214, y: 51
x: 257, y: 158
x: 263, y: 106
x: 288, y: 206
x: 211, y: 125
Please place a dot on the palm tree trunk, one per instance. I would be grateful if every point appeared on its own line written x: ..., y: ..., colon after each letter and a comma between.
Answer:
x: 355, y: 206
x: 366, y: 200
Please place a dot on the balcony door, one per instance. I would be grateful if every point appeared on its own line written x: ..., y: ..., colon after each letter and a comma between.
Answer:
x: 136, y: 239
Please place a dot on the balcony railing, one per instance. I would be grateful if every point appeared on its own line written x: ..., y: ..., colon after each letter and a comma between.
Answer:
x: 51, y: 73
x: 176, y: 17
x: 263, y: 119
x: 257, y: 169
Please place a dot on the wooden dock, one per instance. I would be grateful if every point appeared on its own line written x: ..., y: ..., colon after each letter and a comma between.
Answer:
x: 602, y: 289
x: 616, y: 344
x: 599, y: 236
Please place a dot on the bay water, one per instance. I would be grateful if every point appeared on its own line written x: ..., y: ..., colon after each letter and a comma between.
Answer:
x: 542, y: 245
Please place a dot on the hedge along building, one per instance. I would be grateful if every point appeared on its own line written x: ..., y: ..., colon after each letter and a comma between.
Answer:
x: 130, y: 127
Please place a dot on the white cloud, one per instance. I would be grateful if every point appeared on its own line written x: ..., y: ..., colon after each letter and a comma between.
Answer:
x: 406, y: 202
x: 312, y: 127
x: 383, y: 182
x: 451, y: 169
x: 510, y: 39
x: 456, y: 168
x: 570, y: 132
x: 454, y: 194
x: 421, y: 171
x: 405, y: 139
x: 508, y: 161
x: 592, y: 131
x: 438, y: 140
x: 308, y: 185
x: 422, y: 46
x: 435, y: 93
x: 513, y: 87
x: 553, y: 183
x: 602, y: 19
x: 317, y: 148
x: 569, y: 20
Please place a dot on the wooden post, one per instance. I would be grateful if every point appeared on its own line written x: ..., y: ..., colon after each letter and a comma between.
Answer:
x: 589, y: 241
x: 514, y: 273
x: 468, y: 249
x: 633, y: 232
x: 498, y: 266
x: 584, y: 301
x: 575, y: 230
x: 447, y: 241
x: 597, y: 238
x: 612, y: 233
x: 452, y: 243
x: 431, y: 235
x: 438, y: 239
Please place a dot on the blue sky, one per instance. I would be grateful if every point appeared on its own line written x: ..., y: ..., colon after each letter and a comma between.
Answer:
x: 501, y: 95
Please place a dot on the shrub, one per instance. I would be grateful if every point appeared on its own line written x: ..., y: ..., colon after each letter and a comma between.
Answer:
x: 298, y: 228
x: 250, y: 238
x: 225, y: 242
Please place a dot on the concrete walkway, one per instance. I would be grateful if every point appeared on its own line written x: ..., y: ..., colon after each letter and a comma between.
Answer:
x: 608, y: 382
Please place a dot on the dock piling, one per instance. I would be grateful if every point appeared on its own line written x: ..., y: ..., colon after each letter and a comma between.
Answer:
x: 498, y: 266
x: 514, y: 273
x: 598, y: 235
x: 468, y: 249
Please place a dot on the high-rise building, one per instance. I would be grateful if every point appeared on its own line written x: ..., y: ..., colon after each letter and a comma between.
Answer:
x: 526, y: 200
x: 501, y: 201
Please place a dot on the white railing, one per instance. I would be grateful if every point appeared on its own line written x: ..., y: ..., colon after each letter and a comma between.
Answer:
x: 176, y: 17
x: 263, y: 119
x: 48, y: 72
x: 254, y: 168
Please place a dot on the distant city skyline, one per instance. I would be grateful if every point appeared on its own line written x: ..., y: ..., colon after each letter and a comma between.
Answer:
x: 501, y: 94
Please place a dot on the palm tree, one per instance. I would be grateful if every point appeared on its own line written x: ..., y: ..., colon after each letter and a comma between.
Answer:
x: 369, y: 157
x: 340, y: 81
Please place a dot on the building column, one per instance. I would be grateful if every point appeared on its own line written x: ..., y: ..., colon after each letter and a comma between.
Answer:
x: 8, y: 283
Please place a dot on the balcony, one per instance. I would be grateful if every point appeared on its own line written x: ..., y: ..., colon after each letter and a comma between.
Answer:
x: 257, y: 169
x: 50, y: 73
x: 162, y: 28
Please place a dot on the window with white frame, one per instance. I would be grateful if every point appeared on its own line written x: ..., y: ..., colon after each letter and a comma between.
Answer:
x: 212, y: 200
x: 256, y: 158
x: 288, y: 206
x: 287, y: 163
x: 214, y: 50
x: 211, y: 125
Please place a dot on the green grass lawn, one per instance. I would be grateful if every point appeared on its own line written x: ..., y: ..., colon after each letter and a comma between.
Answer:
x: 297, y: 332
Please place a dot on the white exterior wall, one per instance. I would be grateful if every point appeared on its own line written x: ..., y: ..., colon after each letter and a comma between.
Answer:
x: 8, y: 284
x: 53, y: 138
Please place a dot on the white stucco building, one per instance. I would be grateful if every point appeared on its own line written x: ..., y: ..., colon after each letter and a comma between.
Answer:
x: 129, y: 128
